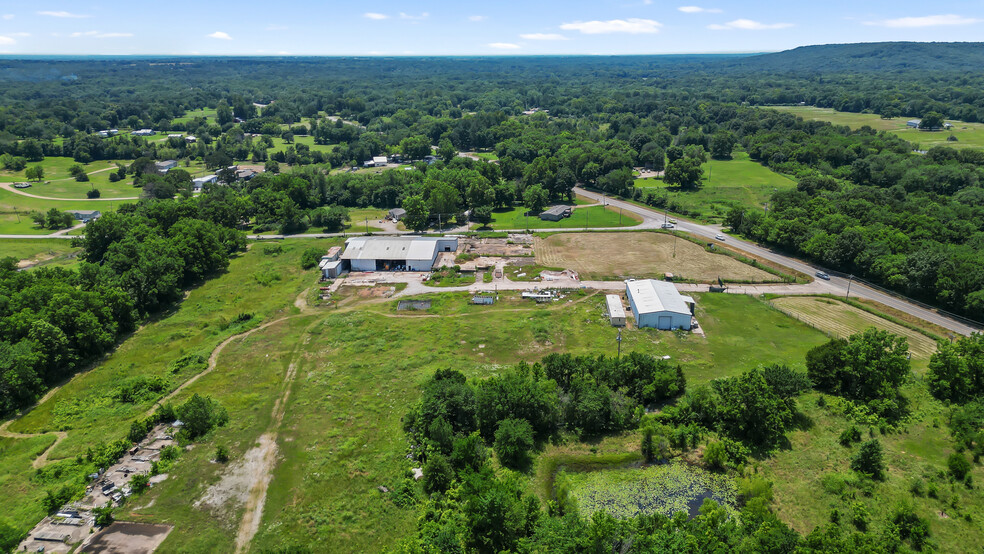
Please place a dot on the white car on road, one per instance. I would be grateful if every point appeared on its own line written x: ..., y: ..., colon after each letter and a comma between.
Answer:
x: 719, y: 237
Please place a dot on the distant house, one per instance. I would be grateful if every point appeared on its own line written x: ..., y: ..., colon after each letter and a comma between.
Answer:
x: 556, y: 213
x: 913, y: 123
x: 396, y: 214
x: 144, y: 133
x: 376, y: 161
x: 174, y: 135
x: 165, y: 166
x: 108, y: 133
x: 191, y: 138
x: 199, y: 182
x: 103, y: 134
x: 84, y: 216
x: 245, y: 174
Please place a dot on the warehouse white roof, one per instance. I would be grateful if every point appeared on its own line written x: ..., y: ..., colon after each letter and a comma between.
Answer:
x: 615, y: 308
x: 656, y: 296
x: 390, y: 248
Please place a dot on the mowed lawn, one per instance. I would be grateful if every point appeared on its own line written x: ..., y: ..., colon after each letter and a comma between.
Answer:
x: 736, y: 182
x: 969, y: 135
x: 40, y: 252
x: 640, y: 255
x: 581, y: 217
x: 842, y: 320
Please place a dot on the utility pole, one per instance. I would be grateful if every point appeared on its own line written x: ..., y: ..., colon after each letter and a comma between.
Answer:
x: 849, y: 279
x: 367, y: 225
x: 618, y: 339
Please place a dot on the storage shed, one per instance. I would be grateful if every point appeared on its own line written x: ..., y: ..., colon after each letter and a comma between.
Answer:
x: 395, y: 253
x: 556, y: 213
x: 616, y: 313
x: 658, y: 304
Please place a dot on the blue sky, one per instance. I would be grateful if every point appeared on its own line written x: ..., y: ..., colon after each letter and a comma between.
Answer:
x: 384, y: 27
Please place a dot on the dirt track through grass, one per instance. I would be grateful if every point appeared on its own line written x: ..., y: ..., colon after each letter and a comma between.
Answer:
x: 842, y: 320
x: 597, y: 256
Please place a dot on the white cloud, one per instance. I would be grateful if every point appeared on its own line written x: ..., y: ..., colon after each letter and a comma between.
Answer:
x: 6, y: 40
x: 748, y: 25
x: 632, y: 26
x: 99, y: 34
x: 283, y: 53
x: 21, y: 34
x: 697, y: 9
x: 376, y: 16
x: 7, y: 16
x: 925, y: 21
x: 503, y: 46
x: 420, y: 17
x: 477, y: 18
x: 220, y: 35
x: 64, y: 14
x: 543, y: 36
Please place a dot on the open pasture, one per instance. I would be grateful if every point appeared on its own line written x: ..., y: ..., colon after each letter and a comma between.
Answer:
x: 639, y: 255
x: 842, y: 320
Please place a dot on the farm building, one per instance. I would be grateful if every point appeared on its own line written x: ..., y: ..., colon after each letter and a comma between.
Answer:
x: 556, y: 213
x: 658, y: 304
x: 376, y: 161
x: 144, y: 133
x: 165, y: 166
x: 616, y: 313
x: 913, y: 123
x: 85, y: 216
x: 396, y: 214
x: 391, y: 253
x: 199, y: 182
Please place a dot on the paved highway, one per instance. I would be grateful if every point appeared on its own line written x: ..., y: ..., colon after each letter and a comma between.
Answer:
x: 837, y: 285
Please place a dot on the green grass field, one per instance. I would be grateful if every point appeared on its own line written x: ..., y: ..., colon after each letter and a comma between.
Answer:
x: 207, y: 113
x: 591, y: 217
x: 279, y: 144
x: 737, y: 182
x: 969, y: 135
x: 40, y: 252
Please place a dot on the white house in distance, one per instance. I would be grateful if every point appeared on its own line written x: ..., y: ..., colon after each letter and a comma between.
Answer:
x: 144, y: 133
x: 166, y: 165
x: 199, y: 182
x: 658, y: 304
x: 376, y: 161
x: 391, y: 253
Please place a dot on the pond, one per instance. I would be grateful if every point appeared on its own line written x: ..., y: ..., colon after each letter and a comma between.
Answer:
x: 657, y: 489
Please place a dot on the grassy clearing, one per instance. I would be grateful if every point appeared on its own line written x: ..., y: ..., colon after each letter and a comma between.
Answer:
x: 809, y: 478
x: 10, y: 201
x: 20, y: 223
x: 41, y: 252
x: 55, y: 168
x: 592, y: 217
x: 641, y: 255
x: 207, y: 113
x: 969, y: 135
x: 263, y: 285
x: 308, y: 140
x: 736, y: 182
x: 842, y: 320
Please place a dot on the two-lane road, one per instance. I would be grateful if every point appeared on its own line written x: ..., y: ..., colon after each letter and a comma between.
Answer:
x: 836, y: 285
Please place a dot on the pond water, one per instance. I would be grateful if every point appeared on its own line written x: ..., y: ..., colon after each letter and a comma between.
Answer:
x: 658, y: 489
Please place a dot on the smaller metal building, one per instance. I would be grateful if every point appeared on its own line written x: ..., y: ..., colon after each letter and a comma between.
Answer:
x: 556, y: 213
x: 658, y: 304
x: 616, y: 313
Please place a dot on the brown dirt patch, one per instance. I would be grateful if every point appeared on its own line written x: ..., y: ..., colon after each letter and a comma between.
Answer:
x: 130, y: 538
x: 599, y: 256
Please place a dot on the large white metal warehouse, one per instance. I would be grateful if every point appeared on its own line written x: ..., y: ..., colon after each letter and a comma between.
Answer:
x: 658, y: 304
x: 395, y: 253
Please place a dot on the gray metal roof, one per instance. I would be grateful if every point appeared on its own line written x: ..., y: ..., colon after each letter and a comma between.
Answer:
x: 655, y: 296
x: 615, y: 308
x: 557, y: 210
x: 390, y: 248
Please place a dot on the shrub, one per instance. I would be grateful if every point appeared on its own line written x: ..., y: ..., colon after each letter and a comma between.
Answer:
x: 310, y: 257
x: 513, y: 442
x: 10, y: 537
x: 860, y: 516
x: 139, y: 483
x: 104, y: 516
x: 715, y: 456
x: 754, y: 487
x: 917, y: 487
x: 849, y: 436
x: 648, y: 446
x: 438, y: 474
x: 272, y: 249
x: 869, y: 459
x: 221, y: 454
x: 94, y: 193
x: 200, y: 415
x: 958, y: 465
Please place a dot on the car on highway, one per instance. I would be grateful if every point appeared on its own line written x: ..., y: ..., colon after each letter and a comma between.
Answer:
x: 719, y: 237
x: 673, y: 221
x: 823, y: 276
x: 667, y: 225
